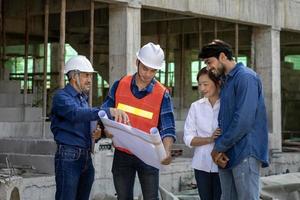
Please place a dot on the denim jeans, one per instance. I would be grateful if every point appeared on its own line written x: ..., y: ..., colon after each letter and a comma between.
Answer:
x: 74, y: 173
x: 124, y: 169
x: 242, y: 181
x: 208, y: 184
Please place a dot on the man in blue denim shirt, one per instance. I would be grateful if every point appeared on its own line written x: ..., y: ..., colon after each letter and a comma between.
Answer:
x: 70, y: 125
x: 243, y: 144
x: 141, y: 86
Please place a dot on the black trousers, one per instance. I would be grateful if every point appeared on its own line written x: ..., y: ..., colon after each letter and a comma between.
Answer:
x: 208, y: 184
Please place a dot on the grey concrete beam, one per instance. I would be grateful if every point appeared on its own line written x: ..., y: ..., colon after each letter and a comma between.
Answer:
x: 280, y: 14
x: 28, y: 146
x: 19, y: 114
x: 131, y: 3
x: 13, y: 100
x: 168, y: 5
x: 253, y: 12
x: 27, y: 130
x: 289, y: 10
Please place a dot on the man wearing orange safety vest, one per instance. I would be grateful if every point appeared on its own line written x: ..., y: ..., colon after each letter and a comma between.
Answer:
x: 148, y: 104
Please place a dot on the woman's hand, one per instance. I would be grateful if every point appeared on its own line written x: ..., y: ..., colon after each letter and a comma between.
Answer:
x: 215, y: 135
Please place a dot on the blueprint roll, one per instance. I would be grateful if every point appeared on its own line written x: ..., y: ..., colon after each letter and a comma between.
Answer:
x: 156, y: 139
x: 102, y: 114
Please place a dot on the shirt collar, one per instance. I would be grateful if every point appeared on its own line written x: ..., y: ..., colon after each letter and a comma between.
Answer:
x: 148, y: 88
x: 235, y: 69
x: 205, y: 100
x: 71, y: 90
x: 232, y: 72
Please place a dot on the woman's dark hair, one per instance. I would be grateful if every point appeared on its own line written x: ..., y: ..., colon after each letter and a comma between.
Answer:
x: 211, y: 75
x: 215, y: 48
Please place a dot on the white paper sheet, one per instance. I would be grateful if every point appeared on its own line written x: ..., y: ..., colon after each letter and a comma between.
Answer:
x: 147, y: 147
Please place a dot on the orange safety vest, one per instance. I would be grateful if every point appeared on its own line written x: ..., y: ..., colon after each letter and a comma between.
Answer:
x: 143, y: 113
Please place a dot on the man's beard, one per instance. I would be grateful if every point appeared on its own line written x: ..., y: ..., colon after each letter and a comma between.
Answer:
x: 86, y: 90
x: 219, y: 71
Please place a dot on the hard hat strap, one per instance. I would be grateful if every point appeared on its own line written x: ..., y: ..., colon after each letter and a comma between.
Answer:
x: 77, y: 74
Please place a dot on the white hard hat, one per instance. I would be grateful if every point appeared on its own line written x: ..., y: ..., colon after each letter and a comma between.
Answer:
x: 79, y: 63
x: 151, y: 55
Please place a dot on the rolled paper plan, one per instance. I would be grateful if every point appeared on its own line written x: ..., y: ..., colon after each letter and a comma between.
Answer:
x: 160, y: 149
x: 102, y: 114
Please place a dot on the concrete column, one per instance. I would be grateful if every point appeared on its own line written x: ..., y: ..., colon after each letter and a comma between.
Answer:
x: 267, y: 65
x: 124, y: 39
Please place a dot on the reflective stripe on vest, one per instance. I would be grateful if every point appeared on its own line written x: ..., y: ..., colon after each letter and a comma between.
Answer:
x: 135, y: 111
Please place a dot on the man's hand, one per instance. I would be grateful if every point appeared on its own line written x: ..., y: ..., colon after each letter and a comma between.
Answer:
x: 222, y: 162
x: 168, y: 142
x: 216, y: 155
x: 119, y: 115
x: 219, y: 158
x: 167, y: 160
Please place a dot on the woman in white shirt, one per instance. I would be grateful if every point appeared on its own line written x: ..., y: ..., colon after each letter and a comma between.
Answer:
x: 200, y: 131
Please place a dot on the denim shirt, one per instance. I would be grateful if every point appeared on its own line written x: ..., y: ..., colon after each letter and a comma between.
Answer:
x: 242, y: 117
x: 71, y: 117
x: 166, y: 123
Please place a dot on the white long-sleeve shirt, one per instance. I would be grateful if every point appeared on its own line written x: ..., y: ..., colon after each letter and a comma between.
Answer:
x: 202, y: 121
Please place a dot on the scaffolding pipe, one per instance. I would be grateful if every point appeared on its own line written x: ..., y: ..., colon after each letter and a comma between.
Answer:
x: 200, y: 39
x: 253, y: 47
x: 2, y: 45
x: 182, y: 71
x: 216, y: 29
x: 102, y: 87
x: 92, y: 11
x: 46, y: 26
x: 26, y: 53
x: 62, y: 43
x: 3, y: 38
x: 158, y: 42
x: 158, y: 32
x: 236, y: 41
x: 167, y: 57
